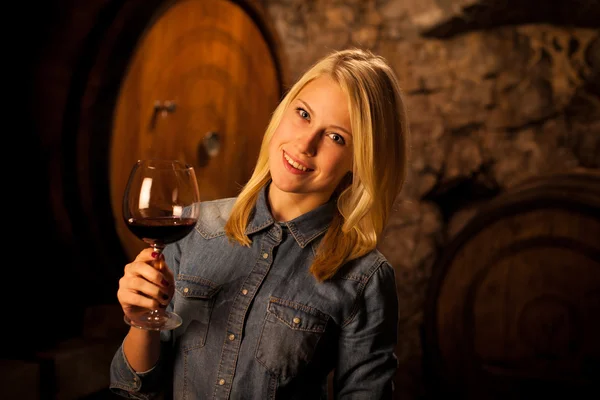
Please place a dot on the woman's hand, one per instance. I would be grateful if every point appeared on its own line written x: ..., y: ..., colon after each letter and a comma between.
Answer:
x: 145, y: 286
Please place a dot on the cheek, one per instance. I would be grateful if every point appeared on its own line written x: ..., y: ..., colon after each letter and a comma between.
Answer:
x: 286, y: 129
x: 348, y: 161
x: 339, y: 166
x: 345, y: 163
x: 275, y: 140
x: 278, y: 136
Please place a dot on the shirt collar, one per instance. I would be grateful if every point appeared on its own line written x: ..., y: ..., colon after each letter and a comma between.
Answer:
x: 304, y: 228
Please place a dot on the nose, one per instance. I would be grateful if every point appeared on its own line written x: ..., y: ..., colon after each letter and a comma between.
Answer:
x: 307, y: 142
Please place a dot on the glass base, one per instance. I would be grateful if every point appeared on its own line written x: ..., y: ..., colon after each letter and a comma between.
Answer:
x: 154, y: 320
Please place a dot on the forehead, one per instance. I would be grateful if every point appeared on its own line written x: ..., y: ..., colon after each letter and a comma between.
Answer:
x: 322, y: 86
x: 326, y: 97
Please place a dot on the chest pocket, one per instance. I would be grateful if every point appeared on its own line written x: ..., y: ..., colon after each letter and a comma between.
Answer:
x: 194, y: 301
x: 290, y: 334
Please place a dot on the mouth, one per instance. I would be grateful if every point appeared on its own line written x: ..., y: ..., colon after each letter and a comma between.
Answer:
x: 295, y: 164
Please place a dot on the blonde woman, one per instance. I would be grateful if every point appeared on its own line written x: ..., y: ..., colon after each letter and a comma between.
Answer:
x: 283, y: 284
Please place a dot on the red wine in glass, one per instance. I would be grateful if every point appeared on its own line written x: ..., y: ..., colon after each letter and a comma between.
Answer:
x: 161, y: 231
x: 160, y: 206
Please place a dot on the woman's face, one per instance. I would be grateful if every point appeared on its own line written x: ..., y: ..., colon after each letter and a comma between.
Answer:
x: 311, y: 150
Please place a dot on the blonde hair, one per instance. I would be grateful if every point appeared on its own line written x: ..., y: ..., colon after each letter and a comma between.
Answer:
x: 379, y: 132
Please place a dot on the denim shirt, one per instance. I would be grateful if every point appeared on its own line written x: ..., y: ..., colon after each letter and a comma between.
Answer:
x: 258, y: 325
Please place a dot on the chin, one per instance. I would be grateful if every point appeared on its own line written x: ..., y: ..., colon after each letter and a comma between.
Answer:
x: 288, y: 187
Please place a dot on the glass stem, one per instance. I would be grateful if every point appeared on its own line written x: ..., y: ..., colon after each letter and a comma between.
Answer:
x: 158, y: 263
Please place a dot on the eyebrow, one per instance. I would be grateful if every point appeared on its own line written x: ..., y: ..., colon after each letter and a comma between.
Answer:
x: 310, y: 110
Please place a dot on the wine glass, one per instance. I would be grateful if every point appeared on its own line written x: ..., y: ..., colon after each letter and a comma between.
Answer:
x: 160, y: 206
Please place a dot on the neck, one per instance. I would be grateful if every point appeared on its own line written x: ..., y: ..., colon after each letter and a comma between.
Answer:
x: 287, y: 206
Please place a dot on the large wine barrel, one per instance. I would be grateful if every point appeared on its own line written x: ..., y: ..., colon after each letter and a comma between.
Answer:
x: 194, y: 80
x: 200, y: 87
x: 514, y: 301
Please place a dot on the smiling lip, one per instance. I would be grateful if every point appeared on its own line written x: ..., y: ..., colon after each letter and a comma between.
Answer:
x: 291, y: 168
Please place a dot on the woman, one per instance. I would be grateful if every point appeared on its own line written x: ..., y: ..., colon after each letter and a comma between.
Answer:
x: 283, y: 284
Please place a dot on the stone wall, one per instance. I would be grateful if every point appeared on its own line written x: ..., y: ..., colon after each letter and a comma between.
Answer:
x: 497, y: 91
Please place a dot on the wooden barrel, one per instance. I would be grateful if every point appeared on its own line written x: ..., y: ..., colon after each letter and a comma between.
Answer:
x: 513, y: 305
x: 194, y: 80
x: 200, y: 87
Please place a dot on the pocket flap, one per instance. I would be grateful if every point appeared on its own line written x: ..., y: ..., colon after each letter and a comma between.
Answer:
x: 298, y: 316
x: 195, y: 287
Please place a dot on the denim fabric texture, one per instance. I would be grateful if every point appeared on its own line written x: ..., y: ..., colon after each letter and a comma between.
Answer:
x: 257, y: 325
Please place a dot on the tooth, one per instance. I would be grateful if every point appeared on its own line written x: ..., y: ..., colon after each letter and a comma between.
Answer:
x: 294, y: 163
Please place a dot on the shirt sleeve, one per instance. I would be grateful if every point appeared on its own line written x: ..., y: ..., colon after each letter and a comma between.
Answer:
x: 366, y: 361
x: 125, y: 382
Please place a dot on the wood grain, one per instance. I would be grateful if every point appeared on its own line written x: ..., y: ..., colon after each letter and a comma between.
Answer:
x: 211, y: 60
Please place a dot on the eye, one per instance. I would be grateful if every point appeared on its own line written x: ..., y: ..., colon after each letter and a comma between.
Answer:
x: 303, y: 113
x: 339, y: 139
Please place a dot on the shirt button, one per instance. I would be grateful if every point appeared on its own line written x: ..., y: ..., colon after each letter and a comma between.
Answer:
x: 221, y: 382
x: 296, y: 320
x: 244, y: 291
x: 231, y: 336
x: 265, y: 255
x: 186, y: 290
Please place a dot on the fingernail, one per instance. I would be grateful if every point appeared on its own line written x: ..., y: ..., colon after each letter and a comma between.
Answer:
x: 154, y: 254
x: 164, y: 283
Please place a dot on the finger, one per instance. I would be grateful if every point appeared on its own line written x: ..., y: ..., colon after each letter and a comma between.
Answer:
x: 148, y: 272
x: 146, y: 255
x: 167, y: 274
x: 142, y: 278
x: 167, y: 280
x: 132, y: 299
x: 151, y: 290
x: 131, y: 288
